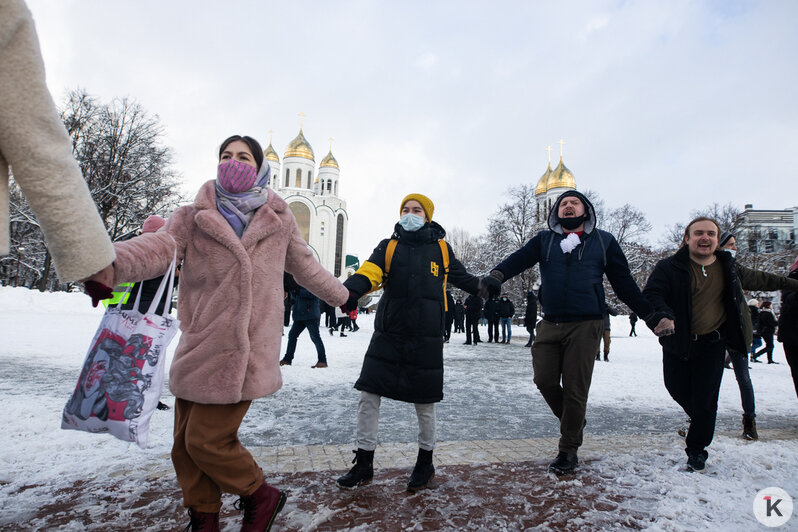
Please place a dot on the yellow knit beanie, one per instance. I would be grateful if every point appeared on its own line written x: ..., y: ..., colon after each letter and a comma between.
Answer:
x: 425, y: 202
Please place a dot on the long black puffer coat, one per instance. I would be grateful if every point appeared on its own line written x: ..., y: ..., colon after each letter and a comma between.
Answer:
x: 404, y: 360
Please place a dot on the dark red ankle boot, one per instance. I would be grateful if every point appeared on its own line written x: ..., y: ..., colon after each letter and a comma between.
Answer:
x: 202, y: 522
x: 261, y: 508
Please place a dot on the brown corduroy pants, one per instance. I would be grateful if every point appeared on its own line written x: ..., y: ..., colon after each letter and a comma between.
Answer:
x: 208, y: 456
x: 562, y: 357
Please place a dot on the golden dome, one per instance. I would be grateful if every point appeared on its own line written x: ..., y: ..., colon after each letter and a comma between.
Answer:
x: 299, y: 147
x: 561, y: 177
x: 329, y: 161
x: 270, y: 154
x: 544, y: 179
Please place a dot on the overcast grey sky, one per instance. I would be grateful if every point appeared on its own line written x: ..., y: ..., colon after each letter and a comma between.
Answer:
x: 667, y: 105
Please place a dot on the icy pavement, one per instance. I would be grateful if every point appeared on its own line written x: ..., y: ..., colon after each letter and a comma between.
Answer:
x: 491, y: 423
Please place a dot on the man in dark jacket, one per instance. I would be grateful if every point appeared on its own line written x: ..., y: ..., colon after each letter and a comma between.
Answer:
x: 702, y: 288
x: 307, y: 313
x: 573, y: 256
x: 459, y: 316
x: 491, y: 312
x: 531, y: 316
x: 506, y: 311
x: 632, y: 323
x: 788, y: 326
x: 449, y: 317
x: 473, y: 309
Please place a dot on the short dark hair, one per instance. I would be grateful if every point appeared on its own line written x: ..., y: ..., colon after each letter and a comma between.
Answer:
x: 254, y: 147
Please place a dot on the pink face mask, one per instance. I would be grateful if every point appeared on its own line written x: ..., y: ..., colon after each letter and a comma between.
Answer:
x: 235, y: 176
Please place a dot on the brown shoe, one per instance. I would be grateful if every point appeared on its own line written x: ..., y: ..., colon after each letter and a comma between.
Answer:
x: 285, y: 362
x: 319, y: 365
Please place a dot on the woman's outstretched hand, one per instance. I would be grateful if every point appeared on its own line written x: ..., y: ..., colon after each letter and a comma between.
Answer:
x: 98, y: 286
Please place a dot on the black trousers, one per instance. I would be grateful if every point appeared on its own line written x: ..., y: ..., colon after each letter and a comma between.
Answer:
x: 472, y: 323
x: 695, y: 385
x: 493, y: 330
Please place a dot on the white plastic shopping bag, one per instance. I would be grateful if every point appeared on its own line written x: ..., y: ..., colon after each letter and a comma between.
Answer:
x: 120, y: 384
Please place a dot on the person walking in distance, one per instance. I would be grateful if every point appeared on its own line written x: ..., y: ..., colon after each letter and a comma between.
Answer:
x: 573, y: 256
x: 608, y: 311
x: 632, y: 323
x: 473, y: 311
x: 531, y: 316
x: 767, y: 328
x: 306, y: 314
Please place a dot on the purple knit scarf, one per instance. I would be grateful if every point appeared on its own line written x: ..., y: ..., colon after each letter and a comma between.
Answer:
x: 238, y: 209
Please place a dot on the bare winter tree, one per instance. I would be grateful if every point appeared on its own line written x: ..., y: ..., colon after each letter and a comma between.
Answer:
x: 626, y: 223
x: 129, y: 172
x: 512, y: 226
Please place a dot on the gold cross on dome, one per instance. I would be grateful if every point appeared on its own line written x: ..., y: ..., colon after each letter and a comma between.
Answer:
x: 301, y: 119
x: 548, y: 149
x: 271, y: 133
x: 561, y: 142
x: 331, y: 141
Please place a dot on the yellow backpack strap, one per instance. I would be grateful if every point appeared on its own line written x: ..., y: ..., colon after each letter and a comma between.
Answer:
x: 445, y: 254
x: 389, y: 256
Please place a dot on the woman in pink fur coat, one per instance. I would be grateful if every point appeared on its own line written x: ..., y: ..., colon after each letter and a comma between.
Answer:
x: 234, y: 243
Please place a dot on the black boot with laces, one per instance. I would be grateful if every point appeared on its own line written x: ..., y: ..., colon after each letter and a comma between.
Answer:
x: 361, y: 473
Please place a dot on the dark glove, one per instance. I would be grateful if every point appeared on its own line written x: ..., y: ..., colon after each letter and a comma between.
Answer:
x: 97, y: 291
x: 491, y: 285
x: 350, y: 305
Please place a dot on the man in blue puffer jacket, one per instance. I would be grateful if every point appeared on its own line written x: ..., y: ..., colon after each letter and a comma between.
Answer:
x: 573, y: 256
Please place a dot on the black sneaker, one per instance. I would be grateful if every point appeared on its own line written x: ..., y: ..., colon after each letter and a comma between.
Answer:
x: 564, y: 464
x: 696, y: 460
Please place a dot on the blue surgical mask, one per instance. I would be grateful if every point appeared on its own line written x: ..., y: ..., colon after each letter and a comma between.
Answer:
x: 411, y: 222
x: 732, y: 252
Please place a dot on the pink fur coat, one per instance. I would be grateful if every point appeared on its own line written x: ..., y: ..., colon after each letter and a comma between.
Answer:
x: 230, y: 300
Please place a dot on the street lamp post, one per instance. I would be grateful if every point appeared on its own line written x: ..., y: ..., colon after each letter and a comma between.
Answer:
x: 20, y: 254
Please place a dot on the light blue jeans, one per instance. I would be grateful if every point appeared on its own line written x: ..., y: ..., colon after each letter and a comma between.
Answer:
x: 507, y: 328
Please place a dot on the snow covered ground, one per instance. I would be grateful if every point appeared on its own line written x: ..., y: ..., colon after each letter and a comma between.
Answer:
x: 489, y: 394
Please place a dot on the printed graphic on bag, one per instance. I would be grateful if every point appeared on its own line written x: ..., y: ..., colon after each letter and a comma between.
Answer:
x: 112, y: 384
x: 121, y: 379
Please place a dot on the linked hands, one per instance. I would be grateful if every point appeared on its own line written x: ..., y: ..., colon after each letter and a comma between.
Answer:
x: 98, y: 286
x: 490, y: 285
x: 665, y: 327
x: 350, y: 305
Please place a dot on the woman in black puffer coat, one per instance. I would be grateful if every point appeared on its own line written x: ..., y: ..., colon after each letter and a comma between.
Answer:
x: 404, y: 360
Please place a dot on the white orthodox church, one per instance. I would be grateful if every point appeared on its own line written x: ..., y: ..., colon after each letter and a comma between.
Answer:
x: 312, y: 195
x: 551, y: 184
